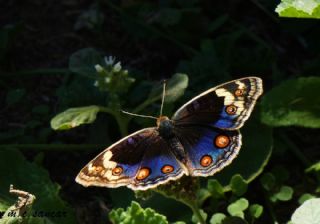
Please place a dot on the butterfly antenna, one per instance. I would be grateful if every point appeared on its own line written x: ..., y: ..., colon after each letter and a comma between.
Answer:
x: 163, y: 94
x: 138, y: 115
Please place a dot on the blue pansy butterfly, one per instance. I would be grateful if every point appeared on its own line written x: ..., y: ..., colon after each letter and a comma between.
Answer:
x: 200, y: 139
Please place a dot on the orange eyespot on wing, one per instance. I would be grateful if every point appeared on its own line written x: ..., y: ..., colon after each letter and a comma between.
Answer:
x: 222, y: 141
x: 206, y: 160
x: 231, y: 109
x: 117, y: 171
x: 167, y: 169
x: 143, y: 173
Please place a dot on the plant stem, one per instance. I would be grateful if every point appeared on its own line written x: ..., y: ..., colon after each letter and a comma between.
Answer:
x: 122, y: 123
x: 195, y: 209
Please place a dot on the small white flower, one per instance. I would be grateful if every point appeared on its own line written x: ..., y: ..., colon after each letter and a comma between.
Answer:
x: 96, y: 83
x: 98, y: 68
x: 117, y: 67
x: 107, y: 79
x: 109, y: 60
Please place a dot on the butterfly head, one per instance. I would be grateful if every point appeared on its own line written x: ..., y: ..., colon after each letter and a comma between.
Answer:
x: 165, y: 127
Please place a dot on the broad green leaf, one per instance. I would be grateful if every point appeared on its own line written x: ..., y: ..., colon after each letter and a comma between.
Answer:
x: 237, y: 207
x: 285, y: 194
x: 299, y: 8
x: 293, y: 102
x: 217, y: 218
x: 307, y: 213
x: 253, y: 156
x: 74, y: 117
x: 215, y: 188
x: 255, y: 210
x: 83, y: 61
x: 238, y: 185
x: 16, y: 170
x: 136, y: 214
x: 175, y: 88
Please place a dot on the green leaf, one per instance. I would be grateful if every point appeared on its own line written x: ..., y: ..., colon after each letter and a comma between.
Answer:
x: 215, y: 188
x: 253, y: 156
x: 217, y: 218
x: 74, y: 117
x: 268, y: 181
x: 16, y: 170
x: 285, y: 194
x: 315, y: 167
x: 299, y: 9
x: 305, y: 197
x: 83, y: 61
x: 136, y: 214
x: 203, y: 215
x: 255, y: 210
x: 237, y: 207
x: 298, y: 106
x: 307, y: 213
x: 238, y: 185
x: 175, y: 88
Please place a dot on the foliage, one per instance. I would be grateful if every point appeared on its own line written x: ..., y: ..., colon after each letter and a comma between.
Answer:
x: 136, y: 214
x: 299, y: 9
x: 297, y: 107
x: 34, y: 179
x: 307, y: 213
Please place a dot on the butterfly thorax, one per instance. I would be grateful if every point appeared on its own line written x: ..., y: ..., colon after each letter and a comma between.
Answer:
x: 165, y: 127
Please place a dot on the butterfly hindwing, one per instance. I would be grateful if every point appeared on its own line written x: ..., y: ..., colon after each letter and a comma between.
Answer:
x: 208, y: 150
x: 139, y: 161
x: 158, y: 165
x: 226, y: 106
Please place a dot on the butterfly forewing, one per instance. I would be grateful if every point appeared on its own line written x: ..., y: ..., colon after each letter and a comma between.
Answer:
x: 226, y: 106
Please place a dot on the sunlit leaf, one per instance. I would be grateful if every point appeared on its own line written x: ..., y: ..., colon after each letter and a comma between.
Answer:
x: 74, y: 117
x: 293, y: 102
x: 237, y: 207
x: 217, y: 218
x: 136, y: 214
x: 299, y: 8
x: 285, y: 194
x: 256, y: 210
x: 307, y: 213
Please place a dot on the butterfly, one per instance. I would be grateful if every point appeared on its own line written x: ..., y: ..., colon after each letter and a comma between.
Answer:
x: 200, y: 139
